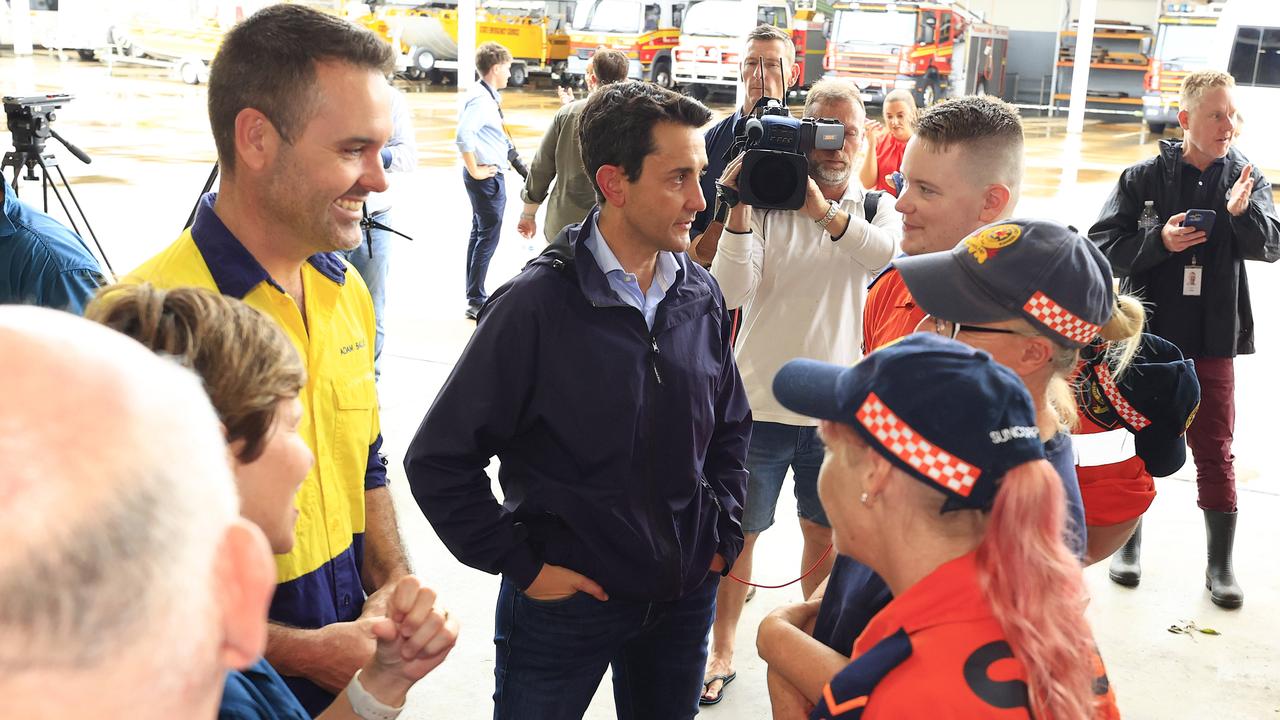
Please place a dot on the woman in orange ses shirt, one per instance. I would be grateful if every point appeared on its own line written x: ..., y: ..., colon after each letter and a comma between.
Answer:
x: 945, y: 493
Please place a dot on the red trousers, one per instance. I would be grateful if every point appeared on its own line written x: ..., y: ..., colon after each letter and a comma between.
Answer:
x: 1210, y: 434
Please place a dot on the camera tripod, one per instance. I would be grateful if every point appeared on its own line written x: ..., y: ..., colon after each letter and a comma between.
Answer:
x: 30, y: 156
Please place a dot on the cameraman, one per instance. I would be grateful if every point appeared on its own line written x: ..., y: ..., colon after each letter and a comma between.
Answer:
x: 800, y: 277
x: 768, y: 69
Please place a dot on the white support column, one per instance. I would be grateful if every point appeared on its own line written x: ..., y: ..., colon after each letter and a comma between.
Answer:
x: 20, y: 18
x: 1080, y: 68
x: 466, y: 45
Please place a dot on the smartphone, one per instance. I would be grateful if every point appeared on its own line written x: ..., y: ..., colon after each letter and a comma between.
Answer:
x: 1200, y: 220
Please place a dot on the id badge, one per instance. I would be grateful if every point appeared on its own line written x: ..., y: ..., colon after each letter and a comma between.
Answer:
x: 1192, y: 275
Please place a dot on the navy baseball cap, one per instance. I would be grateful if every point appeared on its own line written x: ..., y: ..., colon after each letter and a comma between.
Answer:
x: 1041, y: 271
x: 942, y: 412
x: 1155, y: 398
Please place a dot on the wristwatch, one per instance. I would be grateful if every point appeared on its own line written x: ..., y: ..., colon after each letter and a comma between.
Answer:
x: 825, y: 220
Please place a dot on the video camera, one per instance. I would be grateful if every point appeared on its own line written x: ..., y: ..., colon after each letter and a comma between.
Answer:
x: 775, y: 171
x: 30, y: 120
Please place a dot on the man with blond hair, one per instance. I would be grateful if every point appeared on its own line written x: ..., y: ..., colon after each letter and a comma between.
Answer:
x: 1189, y: 268
x: 129, y: 584
x: 800, y: 278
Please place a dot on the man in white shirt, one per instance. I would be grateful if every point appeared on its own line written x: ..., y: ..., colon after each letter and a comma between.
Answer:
x: 800, y: 277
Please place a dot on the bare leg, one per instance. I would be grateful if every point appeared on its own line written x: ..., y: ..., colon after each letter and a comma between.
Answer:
x: 787, y: 702
x: 816, y: 540
x: 730, y: 598
x: 1106, y: 539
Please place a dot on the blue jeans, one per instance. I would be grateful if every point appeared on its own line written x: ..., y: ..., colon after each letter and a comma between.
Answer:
x: 372, y: 261
x: 488, y: 200
x: 775, y: 448
x: 552, y: 655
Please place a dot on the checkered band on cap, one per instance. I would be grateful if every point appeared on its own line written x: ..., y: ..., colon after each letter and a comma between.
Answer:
x: 909, y: 446
x: 1060, y: 320
x: 1132, y: 417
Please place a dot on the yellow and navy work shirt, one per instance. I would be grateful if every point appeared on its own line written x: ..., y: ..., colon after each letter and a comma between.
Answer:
x: 320, y: 578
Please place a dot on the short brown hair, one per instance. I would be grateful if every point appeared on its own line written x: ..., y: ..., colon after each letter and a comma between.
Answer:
x: 616, y: 126
x: 1195, y: 85
x: 826, y: 92
x: 489, y: 55
x: 609, y: 66
x: 246, y: 362
x: 767, y: 33
x: 986, y: 127
x: 268, y: 62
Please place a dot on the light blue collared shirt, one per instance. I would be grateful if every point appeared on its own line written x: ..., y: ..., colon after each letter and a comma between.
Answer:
x: 625, y: 285
x: 480, y: 128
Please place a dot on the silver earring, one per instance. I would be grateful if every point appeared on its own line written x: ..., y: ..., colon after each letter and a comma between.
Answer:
x: 864, y: 498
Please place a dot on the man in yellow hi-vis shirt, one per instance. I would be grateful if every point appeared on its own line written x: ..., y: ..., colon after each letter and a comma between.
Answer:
x: 300, y: 110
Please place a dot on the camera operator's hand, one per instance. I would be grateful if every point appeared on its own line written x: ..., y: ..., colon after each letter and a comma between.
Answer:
x: 815, y: 205
x: 739, y: 220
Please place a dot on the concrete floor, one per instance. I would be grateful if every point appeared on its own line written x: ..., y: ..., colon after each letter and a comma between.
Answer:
x: 149, y: 139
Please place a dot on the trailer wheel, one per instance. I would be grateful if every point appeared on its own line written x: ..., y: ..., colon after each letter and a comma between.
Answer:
x: 697, y: 92
x: 86, y: 55
x: 1156, y: 128
x: 519, y: 75
x: 422, y: 59
x: 191, y: 71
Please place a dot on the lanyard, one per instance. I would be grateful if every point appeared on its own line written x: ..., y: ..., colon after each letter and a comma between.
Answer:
x: 502, y: 118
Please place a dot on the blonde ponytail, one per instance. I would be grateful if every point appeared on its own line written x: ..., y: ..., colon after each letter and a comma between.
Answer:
x: 1123, y: 333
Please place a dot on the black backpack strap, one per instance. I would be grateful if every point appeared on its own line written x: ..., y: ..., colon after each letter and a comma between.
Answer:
x: 870, y: 204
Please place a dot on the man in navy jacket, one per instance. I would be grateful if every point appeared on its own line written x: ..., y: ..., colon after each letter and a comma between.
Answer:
x: 603, y: 379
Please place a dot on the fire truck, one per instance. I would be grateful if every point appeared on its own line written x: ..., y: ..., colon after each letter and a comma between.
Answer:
x: 712, y: 37
x: 647, y: 32
x: 934, y: 49
x: 1182, y: 46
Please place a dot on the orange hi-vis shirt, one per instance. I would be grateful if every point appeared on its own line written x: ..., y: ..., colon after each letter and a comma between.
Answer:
x: 890, y: 313
x: 936, y: 652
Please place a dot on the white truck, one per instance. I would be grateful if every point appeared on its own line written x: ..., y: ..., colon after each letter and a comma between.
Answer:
x: 1247, y: 44
x: 712, y: 38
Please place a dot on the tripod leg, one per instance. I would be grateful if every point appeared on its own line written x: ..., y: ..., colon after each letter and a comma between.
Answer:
x: 213, y: 175
x: 46, y: 182
x: 70, y: 193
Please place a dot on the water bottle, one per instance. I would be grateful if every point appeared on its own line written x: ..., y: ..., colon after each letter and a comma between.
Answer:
x: 1149, y: 219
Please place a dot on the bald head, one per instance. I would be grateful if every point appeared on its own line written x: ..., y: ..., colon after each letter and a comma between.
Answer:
x: 115, y: 498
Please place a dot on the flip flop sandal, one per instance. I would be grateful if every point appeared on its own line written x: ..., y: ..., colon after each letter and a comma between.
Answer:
x: 724, y: 683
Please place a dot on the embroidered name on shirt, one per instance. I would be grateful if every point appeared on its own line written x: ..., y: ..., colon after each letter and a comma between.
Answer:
x: 348, y: 349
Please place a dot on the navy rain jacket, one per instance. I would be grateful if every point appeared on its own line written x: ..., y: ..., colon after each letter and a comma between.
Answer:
x: 622, y: 450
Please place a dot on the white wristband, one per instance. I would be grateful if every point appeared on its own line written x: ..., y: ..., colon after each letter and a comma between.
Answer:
x: 366, y: 705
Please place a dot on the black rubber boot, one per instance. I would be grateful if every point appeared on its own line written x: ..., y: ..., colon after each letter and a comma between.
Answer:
x: 1220, y: 527
x: 1126, y: 569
